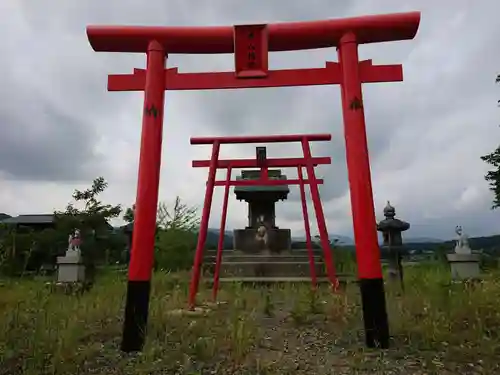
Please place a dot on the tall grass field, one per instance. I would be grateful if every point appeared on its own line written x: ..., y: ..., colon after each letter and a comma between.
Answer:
x: 437, y: 327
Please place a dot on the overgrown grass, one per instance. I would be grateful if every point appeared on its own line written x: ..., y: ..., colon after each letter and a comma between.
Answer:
x: 437, y: 328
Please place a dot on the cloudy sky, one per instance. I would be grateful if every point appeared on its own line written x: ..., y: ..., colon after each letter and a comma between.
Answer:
x: 61, y: 128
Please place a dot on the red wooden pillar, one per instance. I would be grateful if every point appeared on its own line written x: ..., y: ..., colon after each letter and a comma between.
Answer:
x: 363, y: 213
x: 307, y: 228
x: 142, y: 252
x: 202, y: 235
x: 320, y: 217
x: 222, y: 230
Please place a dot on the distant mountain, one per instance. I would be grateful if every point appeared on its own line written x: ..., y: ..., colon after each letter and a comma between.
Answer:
x: 342, y: 240
x: 213, y: 238
x: 421, y: 240
x: 348, y: 241
x: 490, y: 244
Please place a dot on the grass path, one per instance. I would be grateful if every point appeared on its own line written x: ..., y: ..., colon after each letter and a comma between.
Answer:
x: 437, y: 328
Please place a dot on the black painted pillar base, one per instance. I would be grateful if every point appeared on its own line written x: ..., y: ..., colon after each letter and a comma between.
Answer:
x: 136, y: 316
x: 374, y: 313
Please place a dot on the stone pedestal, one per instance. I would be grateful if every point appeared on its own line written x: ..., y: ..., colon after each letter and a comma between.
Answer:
x: 268, y: 269
x: 278, y: 240
x: 464, y: 266
x: 70, y: 268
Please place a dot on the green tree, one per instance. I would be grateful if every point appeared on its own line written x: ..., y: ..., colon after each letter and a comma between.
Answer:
x: 180, y: 216
x: 16, y: 249
x: 493, y: 176
x: 177, y: 234
x: 92, y: 219
x: 22, y: 249
x: 128, y: 216
x: 46, y: 248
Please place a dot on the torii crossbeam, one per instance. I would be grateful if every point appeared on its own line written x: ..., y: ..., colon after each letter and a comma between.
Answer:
x: 251, y: 45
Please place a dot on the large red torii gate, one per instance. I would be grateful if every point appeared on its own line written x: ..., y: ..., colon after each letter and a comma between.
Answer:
x: 251, y: 45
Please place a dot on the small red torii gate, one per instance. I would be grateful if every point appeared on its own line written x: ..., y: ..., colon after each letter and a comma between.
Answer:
x: 214, y: 163
x: 251, y: 45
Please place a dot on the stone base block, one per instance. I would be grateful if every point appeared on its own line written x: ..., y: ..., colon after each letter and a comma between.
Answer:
x: 464, y: 266
x: 262, y: 258
x: 70, y: 269
x: 271, y: 269
x: 229, y: 253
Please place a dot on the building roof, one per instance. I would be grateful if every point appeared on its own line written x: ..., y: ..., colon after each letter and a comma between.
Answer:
x: 30, y: 219
x: 4, y: 216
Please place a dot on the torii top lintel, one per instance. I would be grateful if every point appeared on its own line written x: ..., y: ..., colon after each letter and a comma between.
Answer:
x: 289, y: 36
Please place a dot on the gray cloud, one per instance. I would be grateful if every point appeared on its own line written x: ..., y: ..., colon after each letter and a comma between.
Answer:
x: 42, y: 142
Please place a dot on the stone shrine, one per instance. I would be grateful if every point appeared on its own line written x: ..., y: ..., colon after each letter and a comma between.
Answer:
x: 261, y: 202
x: 391, y: 229
x: 463, y: 263
x: 262, y: 252
x: 70, y: 266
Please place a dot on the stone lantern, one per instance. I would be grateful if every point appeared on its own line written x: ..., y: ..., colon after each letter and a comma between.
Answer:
x: 391, y: 229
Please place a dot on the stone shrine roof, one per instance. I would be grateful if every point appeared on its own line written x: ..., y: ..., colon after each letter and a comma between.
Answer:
x: 274, y: 174
x: 261, y: 193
